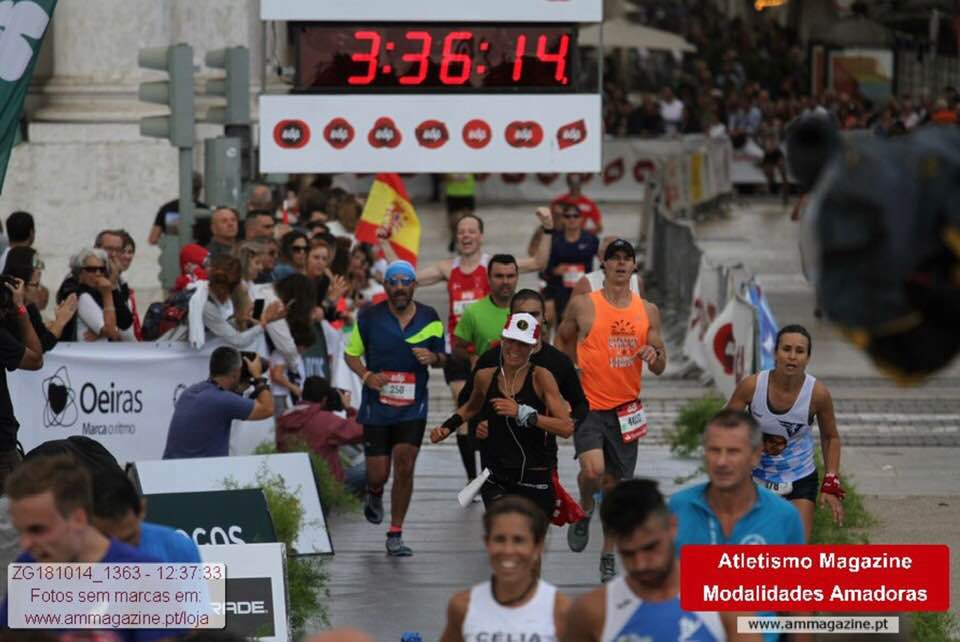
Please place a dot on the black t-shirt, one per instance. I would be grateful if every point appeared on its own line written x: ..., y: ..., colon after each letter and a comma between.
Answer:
x: 547, y: 357
x: 169, y: 213
x: 11, y: 354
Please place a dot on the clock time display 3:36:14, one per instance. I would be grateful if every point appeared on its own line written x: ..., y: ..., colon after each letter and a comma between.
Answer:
x: 401, y: 57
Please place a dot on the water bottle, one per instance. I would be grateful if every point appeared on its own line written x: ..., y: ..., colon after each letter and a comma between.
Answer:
x: 411, y: 636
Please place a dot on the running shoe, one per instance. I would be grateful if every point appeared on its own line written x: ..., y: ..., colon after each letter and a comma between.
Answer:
x: 373, y: 508
x: 396, y: 547
x: 578, y: 534
x: 608, y: 567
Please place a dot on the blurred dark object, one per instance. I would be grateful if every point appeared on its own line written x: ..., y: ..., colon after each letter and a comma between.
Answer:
x: 811, y: 142
x: 884, y: 230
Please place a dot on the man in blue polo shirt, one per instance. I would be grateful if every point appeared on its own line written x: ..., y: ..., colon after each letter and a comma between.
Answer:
x: 398, y: 340
x: 731, y: 508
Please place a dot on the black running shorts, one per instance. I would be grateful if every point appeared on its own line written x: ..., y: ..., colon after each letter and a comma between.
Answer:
x: 378, y: 441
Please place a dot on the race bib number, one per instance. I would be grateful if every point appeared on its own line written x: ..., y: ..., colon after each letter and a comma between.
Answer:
x: 571, y: 274
x: 633, y: 421
x: 780, y: 488
x: 465, y: 300
x: 400, y: 389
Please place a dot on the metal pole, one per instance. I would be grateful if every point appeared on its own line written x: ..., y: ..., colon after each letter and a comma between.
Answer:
x: 264, y: 57
x: 185, y: 229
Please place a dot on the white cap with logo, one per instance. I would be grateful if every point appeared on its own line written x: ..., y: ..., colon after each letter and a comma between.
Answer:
x: 522, y: 327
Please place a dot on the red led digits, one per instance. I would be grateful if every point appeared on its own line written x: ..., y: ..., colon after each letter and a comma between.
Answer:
x: 518, y: 58
x: 452, y: 57
x: 422, y: 58
x: 371, y: 57
x: 559, y: 58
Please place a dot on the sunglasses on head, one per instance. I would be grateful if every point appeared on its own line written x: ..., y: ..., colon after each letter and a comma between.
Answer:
x: 95, y: 269
x: 400, y: 280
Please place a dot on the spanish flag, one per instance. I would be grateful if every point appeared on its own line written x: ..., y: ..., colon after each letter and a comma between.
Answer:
x: 389, y: 205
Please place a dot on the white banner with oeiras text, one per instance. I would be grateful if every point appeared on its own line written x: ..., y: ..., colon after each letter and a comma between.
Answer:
x: 121, y: 395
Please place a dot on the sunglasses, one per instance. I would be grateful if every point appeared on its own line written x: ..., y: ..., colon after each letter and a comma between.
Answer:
x: 571, y: 216
x: 402, y: 281
x: 94, y: 270
x: 298, y: 248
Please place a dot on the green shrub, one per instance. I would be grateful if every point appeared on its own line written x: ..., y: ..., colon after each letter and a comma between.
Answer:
x: 686, y: 436
x: 335, y: 496
x: 856, y: 517
x: 306, y: 577
x: 936, y: 627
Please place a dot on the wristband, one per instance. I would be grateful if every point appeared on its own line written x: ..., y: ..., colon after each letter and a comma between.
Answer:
x: 21, y: 310
x: 454, y: 422
x: 524, y: 413
x: 831, y: 486
x: 363, y: 379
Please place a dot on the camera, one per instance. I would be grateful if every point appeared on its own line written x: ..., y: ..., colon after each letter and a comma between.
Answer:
x: 246, y: 377
x: 6, y: 296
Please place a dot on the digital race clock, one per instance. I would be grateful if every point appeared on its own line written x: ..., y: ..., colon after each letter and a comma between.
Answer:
x: 431, y: 57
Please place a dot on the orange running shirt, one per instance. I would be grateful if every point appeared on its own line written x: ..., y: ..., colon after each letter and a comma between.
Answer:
x: 608, y: 360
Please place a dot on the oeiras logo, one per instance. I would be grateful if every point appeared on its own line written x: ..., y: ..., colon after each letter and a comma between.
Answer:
x: 61, y: 399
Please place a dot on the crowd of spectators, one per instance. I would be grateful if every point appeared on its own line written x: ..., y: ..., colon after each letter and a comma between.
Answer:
x: 748, y: 78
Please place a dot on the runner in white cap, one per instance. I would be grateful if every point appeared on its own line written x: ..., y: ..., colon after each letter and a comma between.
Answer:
x: 525, y: 414
x: 467, y: 283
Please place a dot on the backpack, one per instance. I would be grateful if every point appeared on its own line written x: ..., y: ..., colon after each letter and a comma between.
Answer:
x: 161, y: 318
x: 88, y: 452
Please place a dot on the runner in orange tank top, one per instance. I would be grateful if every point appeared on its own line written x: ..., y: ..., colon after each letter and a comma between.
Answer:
x: 611, y: 333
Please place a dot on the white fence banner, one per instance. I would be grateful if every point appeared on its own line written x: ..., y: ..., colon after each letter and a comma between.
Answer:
x: 121, y: 395
x: 256, y: 589
x: 728, y: 344
x: 219, y: 473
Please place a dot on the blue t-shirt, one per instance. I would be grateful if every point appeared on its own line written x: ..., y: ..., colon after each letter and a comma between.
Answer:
x: 167, y: 545
x: 117, y: 553
x: 386, y: 348
x: 201, y: 421
x: 771, y: 520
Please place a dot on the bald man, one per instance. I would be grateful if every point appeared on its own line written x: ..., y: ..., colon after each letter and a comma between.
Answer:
x: 224, y: 226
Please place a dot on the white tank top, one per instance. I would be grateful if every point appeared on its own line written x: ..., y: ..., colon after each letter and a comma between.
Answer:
x: 487, y: 621
x: 796, y: 461
x: 595, y: 279
x: 629, y: 618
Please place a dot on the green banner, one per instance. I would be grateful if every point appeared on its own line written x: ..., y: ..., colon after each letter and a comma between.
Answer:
x: 23, y: 24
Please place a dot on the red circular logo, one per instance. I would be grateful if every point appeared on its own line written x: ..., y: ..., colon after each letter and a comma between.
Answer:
x: 291, y: 134
x: 477, y: 134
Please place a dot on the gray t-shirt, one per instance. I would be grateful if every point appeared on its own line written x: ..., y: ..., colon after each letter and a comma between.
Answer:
x: 201, y: 421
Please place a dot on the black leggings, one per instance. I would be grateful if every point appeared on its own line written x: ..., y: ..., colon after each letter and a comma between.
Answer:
x: 537, y: 486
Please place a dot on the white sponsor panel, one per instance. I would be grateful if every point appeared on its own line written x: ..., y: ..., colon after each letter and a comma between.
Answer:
x: 256, y: 595
x: 121, y: 395
x: 216, y: 473
x: 435, y: 11
x: 728, y: 345
x: 115, y: 596
x: 431, y: 133
x: 703, y: 310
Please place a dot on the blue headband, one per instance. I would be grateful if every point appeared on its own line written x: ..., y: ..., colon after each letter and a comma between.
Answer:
x: 400, y: 268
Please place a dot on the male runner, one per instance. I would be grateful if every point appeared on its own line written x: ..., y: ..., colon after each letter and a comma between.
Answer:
x: 398, y: 339
x: 467, y: 283
x: 611, y: 333
x: 644, y: 603
x: 483, y: 322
